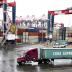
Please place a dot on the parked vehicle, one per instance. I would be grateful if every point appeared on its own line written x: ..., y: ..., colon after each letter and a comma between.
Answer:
x: 60, y: 44
x: 44, y: 55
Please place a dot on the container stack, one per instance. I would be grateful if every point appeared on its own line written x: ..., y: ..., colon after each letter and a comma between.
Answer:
x: 32, y: 29
x: 33, y: 37
x: 1, y: 36
x: 42, y: 37
x: 56, y: 34
x: 20, y: 35
x: 25, y: 37
x: 30, y: 35
x: 69, y: 34
x: 1, y: 33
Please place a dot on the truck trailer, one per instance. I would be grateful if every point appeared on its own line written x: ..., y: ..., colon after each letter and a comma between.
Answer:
x: 44, y: 55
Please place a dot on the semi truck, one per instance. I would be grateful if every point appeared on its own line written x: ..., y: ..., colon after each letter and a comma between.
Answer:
x: 43, y: 55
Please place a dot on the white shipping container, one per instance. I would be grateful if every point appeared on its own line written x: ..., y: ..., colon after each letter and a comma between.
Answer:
x: 35, y: 40
x: 25, y: 37
x: 69, y: 39
x: 25, y: 40
x: 33, y: 37
x: 25, y: 33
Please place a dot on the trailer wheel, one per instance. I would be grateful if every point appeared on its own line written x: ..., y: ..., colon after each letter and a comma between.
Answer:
x: 47, y: 61
x: 19, y: 63
x: 52, y: 59
x: 39, y: 61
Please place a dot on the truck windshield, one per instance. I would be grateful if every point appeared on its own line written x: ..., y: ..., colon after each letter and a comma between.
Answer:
x: 21, y: 53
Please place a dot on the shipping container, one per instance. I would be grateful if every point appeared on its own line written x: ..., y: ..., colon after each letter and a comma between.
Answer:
x: 33, y: 37
x: 20, y: 36
x: 18, y: 40
x: 25, y: 37
x: 35, y: 40
x: 32, y: 30
x: 42, y: 39
x: 56, y: 53
x: 25, y: 33
x: 44, y: 54
x: 20, y: 31
x: 42, y: 35
x: 25, y: 40
x: 33, y: 33
x: 1, y: 34
x: 69, y: 39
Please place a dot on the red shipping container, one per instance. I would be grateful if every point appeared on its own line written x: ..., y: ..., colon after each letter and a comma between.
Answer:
x: 1, y: 33
x: 18, y: 40
x: 20, y: 31
x: 41, y: 35
x: 33, y: 33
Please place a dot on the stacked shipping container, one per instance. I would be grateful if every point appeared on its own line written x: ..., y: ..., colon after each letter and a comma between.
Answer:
x: 25, y: 37
x: 65, y: 34
x: 20, y: 35
x: 69, y: 34
x: 30, y: 35
x: 33, y: 37
x: 1, y: 36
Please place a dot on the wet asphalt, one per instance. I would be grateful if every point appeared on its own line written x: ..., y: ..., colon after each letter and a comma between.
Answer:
x: 8, y: 63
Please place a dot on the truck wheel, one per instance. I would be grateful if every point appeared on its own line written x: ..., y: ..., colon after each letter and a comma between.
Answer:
x: 39, y: 61
x: 19, y: 63
x: 48, y: 61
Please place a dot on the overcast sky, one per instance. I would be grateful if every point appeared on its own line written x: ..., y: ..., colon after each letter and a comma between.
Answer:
x: 40, y: 7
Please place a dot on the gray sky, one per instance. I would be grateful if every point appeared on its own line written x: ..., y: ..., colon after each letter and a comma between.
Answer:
x: 40, y: 7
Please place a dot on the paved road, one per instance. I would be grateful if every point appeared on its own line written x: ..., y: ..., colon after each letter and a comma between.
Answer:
x: 8, y: 63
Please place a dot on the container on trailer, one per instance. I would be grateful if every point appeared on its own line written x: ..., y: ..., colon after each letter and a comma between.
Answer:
x: 56, y: 53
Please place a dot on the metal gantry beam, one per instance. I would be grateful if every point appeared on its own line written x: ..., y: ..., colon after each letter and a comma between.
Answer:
x: 51, y: 15
x: 4, y: 6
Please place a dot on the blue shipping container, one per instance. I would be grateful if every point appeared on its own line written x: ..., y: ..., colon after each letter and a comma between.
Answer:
x: 42, y: 39
x: 32, y: 30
